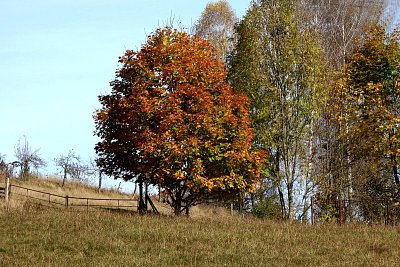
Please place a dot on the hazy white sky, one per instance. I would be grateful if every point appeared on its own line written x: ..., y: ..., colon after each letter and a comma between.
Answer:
x: 57, y: 56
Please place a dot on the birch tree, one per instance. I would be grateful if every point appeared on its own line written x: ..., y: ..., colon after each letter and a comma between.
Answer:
x: 338, y: 23
x: 216, y: 25
x: 276, y: 62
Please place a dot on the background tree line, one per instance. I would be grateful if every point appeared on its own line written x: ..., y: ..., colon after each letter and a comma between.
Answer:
x: 322, y: 81
x: 322, y: 77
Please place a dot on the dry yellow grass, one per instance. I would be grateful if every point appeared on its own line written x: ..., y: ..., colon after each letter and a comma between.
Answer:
x: 211, y: 237
x: 56, y: 238
x: 50, y: 193
x: 71, y: 188
x: 75, y: 189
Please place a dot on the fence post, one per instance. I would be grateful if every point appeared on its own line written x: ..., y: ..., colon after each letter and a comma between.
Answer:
x: 387, y: 211
x: 87, y: 205
x: 7, y: 189
x: 66, y: 201
x: 340, y: 211
x: 312, y: 210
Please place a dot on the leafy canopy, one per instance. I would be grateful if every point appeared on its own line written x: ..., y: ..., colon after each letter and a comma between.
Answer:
x: 276, y: 62
x: 172, y: 120
x: 371, y: 93
x: 216, y: 25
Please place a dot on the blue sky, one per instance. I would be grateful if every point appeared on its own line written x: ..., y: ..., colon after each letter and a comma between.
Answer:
x: 57, y: 56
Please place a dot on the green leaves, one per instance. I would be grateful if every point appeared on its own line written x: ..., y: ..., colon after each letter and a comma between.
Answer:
x: 372, y: 104
x: 277, y: 64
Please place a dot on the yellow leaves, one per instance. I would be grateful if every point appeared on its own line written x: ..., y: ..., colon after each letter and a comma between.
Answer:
x: 203, y: 182
x: 365, y: 99
x: 179, y: 175
x: 102, y: 114
x: 381, y: 127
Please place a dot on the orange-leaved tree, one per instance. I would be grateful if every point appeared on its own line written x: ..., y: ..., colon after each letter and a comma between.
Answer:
x: 171, y: 120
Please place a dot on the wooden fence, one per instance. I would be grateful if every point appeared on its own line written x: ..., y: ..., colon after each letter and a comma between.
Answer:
x: 2, y: 190
x: 72, y: 202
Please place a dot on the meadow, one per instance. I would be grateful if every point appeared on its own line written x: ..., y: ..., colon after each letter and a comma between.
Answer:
x: 31, y: 235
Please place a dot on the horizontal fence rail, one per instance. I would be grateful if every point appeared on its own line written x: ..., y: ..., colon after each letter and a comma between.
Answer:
x: 76, y: 203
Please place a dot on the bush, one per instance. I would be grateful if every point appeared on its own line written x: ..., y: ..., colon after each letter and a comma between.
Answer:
x: 267, y: 208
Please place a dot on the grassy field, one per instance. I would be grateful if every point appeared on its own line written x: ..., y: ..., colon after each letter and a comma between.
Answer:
x: 32, y: 236
x: 56, y: 238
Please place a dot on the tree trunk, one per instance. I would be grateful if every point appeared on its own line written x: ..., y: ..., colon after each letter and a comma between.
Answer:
x: 310, y: 170
x: 100, y: 180
x: 65, y: 178
x: 393, y: 160
x: 141, y: 206
x: 177, y: 207
x: 252, y: 196
x: 146, y: 196
x: 7, y: 188
x: 187, y: 209
x: 394, y: 168
x: 282, y: 202
x: 177, y: 203
x: 290, y: 214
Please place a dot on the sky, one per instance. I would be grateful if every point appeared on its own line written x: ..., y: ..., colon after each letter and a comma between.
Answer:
x: 57, y: 56
x: 394, y: 8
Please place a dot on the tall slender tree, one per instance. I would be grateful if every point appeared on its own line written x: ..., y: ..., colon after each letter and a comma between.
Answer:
x: 216, y: 24
x: 365, y: 106
x: 276, y: 62
x: 372, y: 90
x: 338, y: 23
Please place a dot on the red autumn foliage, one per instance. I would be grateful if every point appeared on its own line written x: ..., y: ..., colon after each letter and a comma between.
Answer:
x: 173, y: 120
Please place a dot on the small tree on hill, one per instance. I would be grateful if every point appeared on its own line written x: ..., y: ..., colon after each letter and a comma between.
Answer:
x: 94, y: 172
x: 173, y: 121
x: 27, y: 158
x: 70, y: 165
x: 3, y: 165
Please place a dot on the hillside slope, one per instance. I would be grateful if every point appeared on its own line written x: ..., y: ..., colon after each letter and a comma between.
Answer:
x: 55, y: 238
x: 76, y: 189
